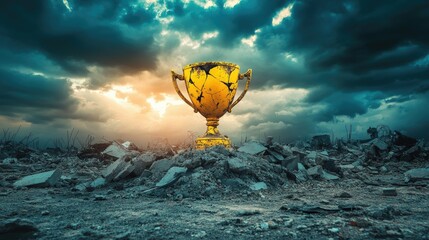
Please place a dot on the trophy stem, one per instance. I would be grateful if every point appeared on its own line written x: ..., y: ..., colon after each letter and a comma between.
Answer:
x: 212, y: 124
x: 212, y: 137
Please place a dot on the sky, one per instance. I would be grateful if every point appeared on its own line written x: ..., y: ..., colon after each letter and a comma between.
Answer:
x: 103, y: 67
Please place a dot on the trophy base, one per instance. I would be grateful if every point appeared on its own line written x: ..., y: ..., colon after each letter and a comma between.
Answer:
x: 206, y: 142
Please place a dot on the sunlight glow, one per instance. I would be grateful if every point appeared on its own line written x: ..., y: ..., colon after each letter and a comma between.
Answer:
x: 112, y: 93
x: 161, y: 106
x: 284, y: 13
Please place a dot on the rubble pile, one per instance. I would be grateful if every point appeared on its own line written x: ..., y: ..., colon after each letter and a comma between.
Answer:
x: 323, y: 187
x: 217, y: 171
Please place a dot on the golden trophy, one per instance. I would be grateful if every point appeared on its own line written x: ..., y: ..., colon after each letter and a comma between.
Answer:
x: 211, y: 86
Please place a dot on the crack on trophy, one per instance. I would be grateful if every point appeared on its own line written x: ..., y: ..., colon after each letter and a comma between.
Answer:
x: 211, y: 87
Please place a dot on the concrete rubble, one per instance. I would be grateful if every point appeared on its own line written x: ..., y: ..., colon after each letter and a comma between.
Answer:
x: 44, y: 179
x: 303, y: 172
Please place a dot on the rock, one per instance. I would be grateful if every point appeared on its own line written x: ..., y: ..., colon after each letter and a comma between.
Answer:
x: 43, y: 179
x: 116, y: 150
x: 161, y: 166
x: 252, y: 148
x: 237, y: 165
x: 123, y: 236
x: 45, y: 213
x: 344, y: 195
x: 414, y: 150
x: 100, y: 197
x: 311, y: 156
x: 129, y: 145
x: 330, y: 165
x: 258, y: 186
x: 172, y: 175
x: 384, y: 213
x: 389, y: 192
x: 334, y: 230
x: 380, y: 144
x: 199, y: 234
x: 81, y: 187
x: 383, y: 169
x: 142, y: 162
x: 346, y: 166
x: 115, y: 168
x: 275, y: 154
x: 17, y: 229
x: 315, y: 172
x: 264, y: 225
x: 328, y: 176
x: 234, y: 183
x: 126, y: 170
x: 301, y: 176
x: 99, y: 182
x: 301, y: 167
x: 321, y: 141
x: 416, y: 174
x: 247, y: 212
x: 10, y: 160
x: 291, y: 163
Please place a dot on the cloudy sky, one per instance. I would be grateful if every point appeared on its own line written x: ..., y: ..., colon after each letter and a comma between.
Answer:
x: 103, y: 67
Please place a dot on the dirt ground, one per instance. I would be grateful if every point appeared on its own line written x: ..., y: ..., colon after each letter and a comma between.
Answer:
x: 131, y: 214
x: 355, y: 192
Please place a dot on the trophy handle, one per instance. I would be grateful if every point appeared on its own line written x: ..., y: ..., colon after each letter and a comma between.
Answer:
x: 175, y: 76
x: 248, y: 75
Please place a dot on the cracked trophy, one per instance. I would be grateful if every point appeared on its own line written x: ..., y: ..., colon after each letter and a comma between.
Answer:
x: 211, y: 86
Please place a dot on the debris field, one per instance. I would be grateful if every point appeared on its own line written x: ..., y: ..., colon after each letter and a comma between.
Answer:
x: 371, y: 189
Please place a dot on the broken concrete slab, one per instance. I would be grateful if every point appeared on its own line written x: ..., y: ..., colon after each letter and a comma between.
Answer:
x: 161, y: 166
x: 43, y: 179
x: 126, y: 170
x: 291, y: 163
x: 252, y: 148
x: 237, y: 165
x: 258, y: 186
x: 172, y: 175
x: 142, y: 162
x: 328, y: 176
x: 116, y: 150
x: 315, y: 172
x: 113, y: 169
x: 380, y: 144
x: 129, y: 145
x: 329, y: 164
x: 416, y: 174
x: 98, y: 182
x: 301, y: 167
x: 311, y: 156
x: 321, y: 141
x: 81, y: 187
x: 275, y: 154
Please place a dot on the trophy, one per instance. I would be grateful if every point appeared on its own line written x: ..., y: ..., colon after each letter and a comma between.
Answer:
x: 211, y: 86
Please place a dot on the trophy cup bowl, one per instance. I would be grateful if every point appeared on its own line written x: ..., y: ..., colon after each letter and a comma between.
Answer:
x: 211, y: 86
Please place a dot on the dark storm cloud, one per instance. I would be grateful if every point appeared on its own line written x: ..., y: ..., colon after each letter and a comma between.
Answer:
x: 357, y: 44
x: 38, y: 99
x: 90, y: 34
x: 232, y: 23
x: 351, y: 48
